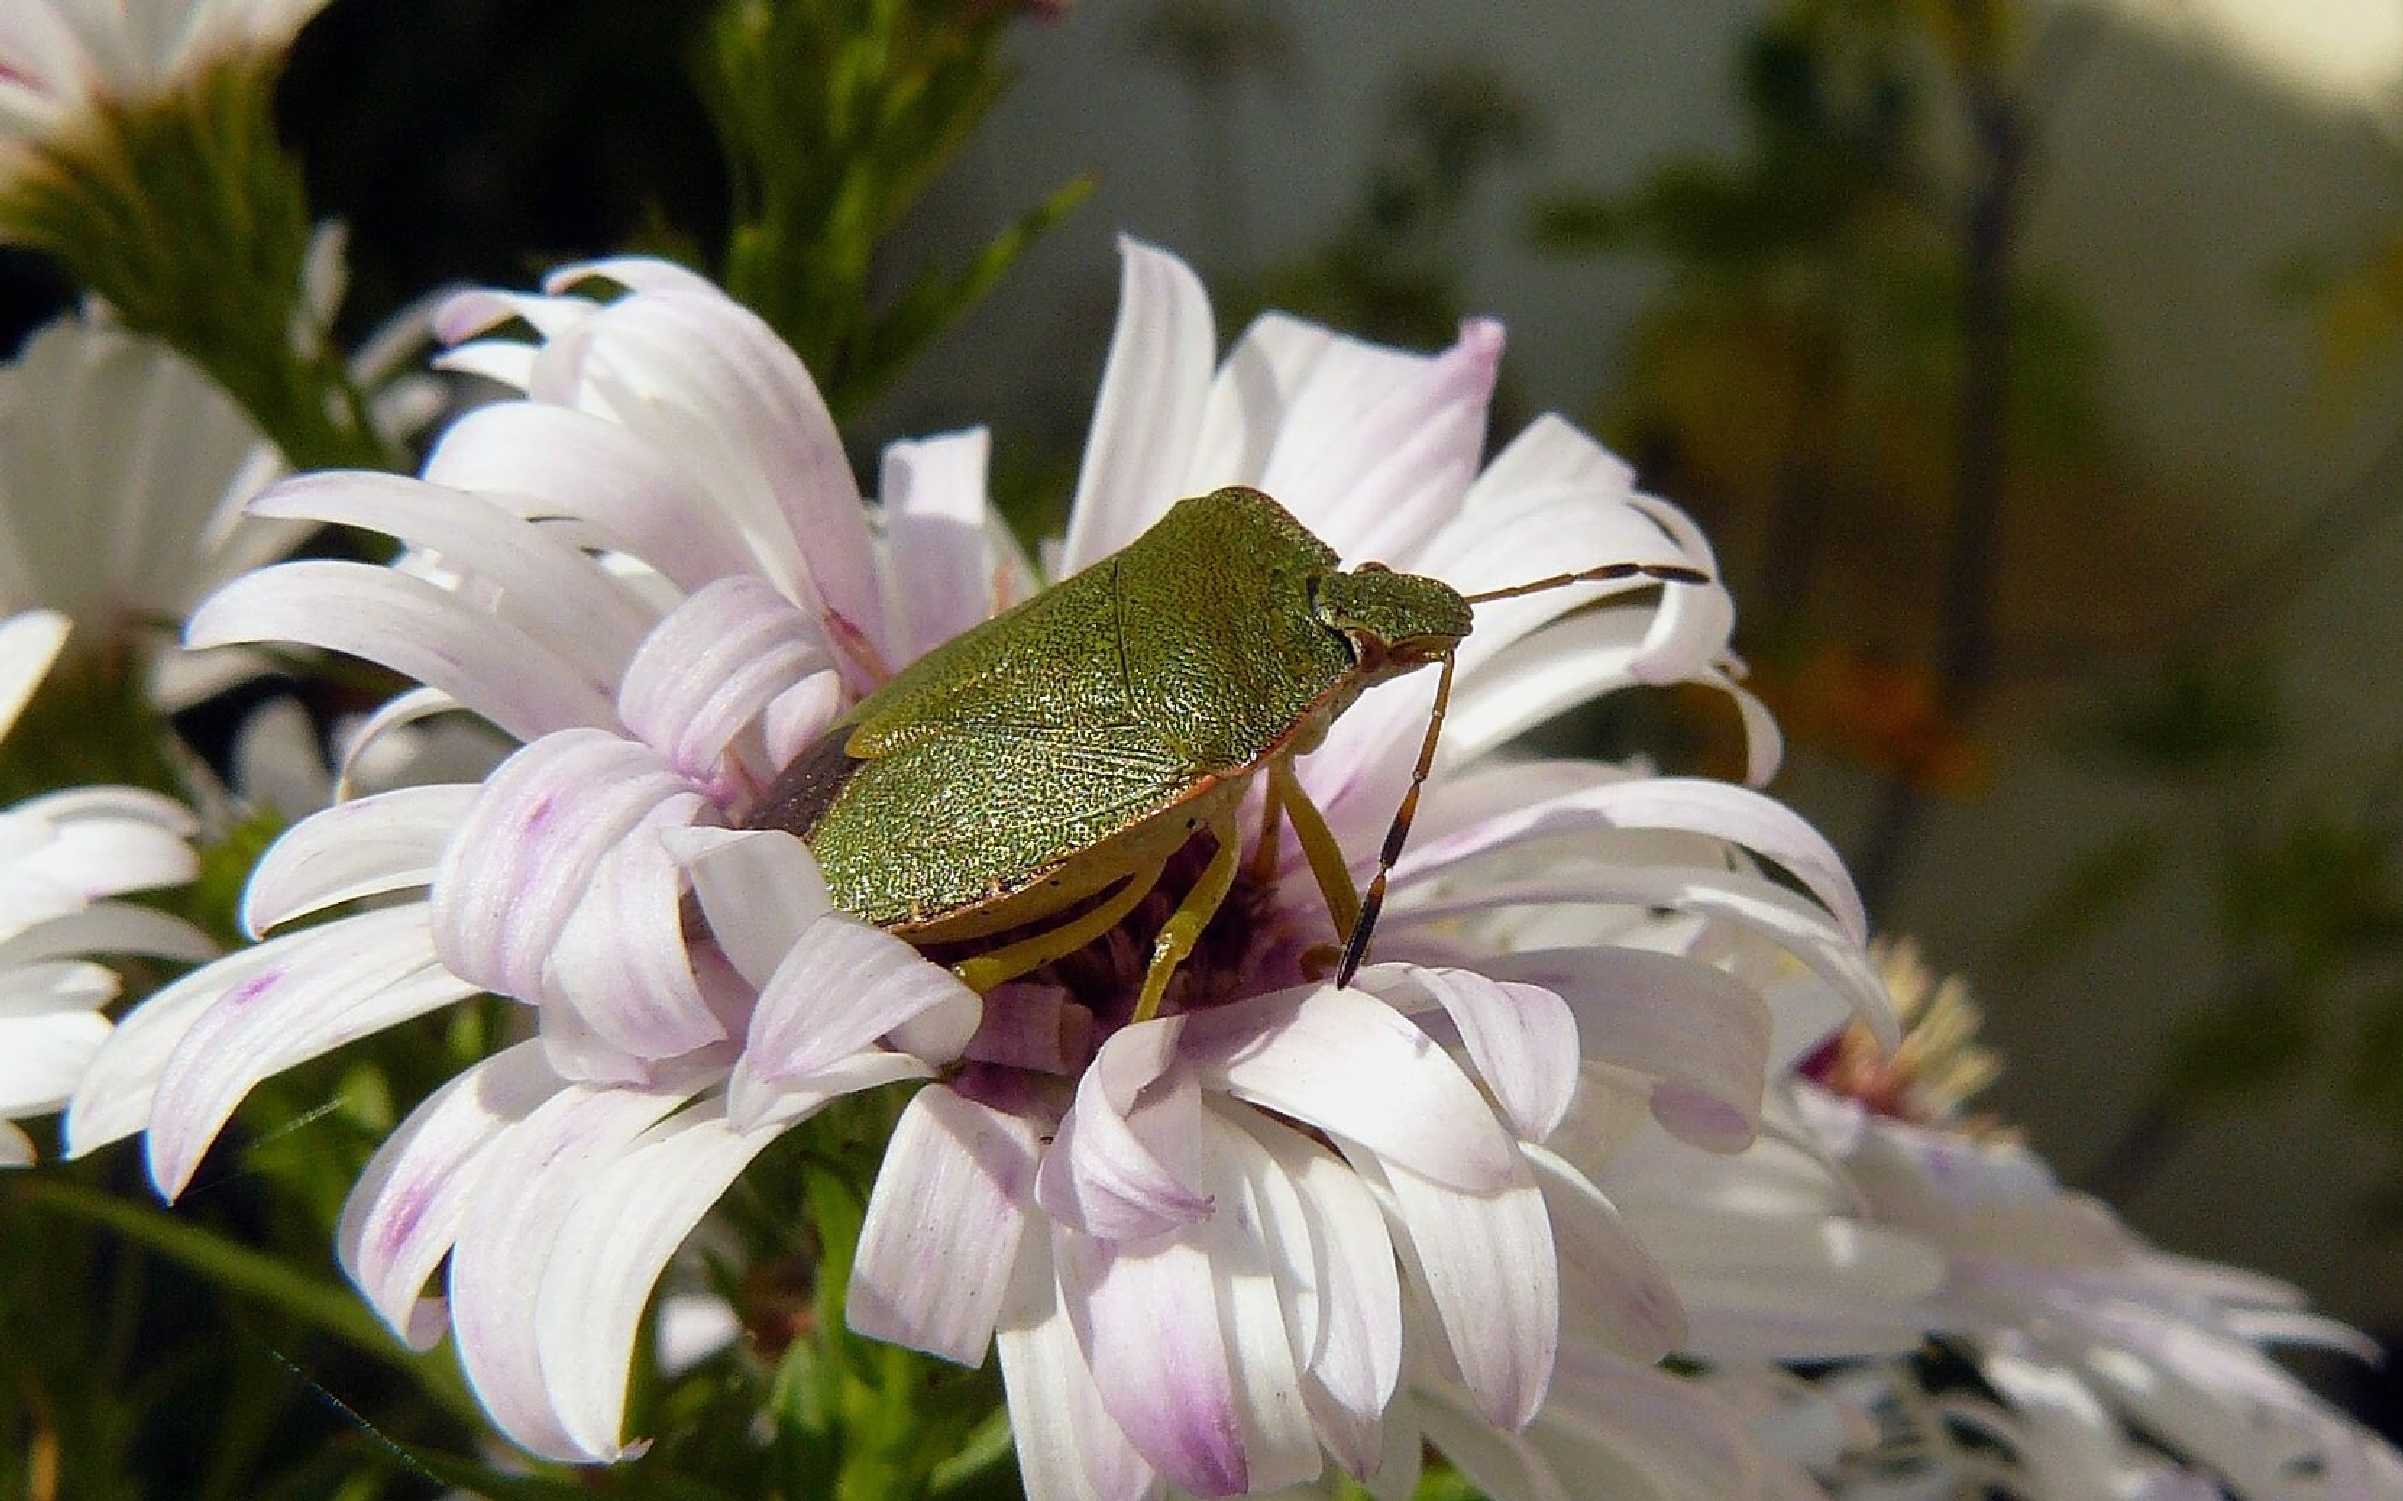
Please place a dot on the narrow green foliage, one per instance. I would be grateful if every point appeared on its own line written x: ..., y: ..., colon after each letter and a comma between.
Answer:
x: 190, y: 218
x: 835, y: 116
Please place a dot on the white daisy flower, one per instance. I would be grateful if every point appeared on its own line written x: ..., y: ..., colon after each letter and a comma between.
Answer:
x: 2083, y: 1335
x: 65, y: 62
x: 1210, y: 1241
x: 62, y: 855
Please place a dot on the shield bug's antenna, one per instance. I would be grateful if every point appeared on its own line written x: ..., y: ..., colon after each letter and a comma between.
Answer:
x: 1355, y: 946
x: 1667, y: 573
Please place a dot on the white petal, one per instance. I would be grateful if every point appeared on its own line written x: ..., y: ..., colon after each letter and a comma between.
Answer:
x: 1497, y: 1461
x: 620, y: 962
x: 949, y: 1206
x: 1147, y: 1321
x: 1522, y: 1037
x: 337, y: 983
x: 629, y: 1219
x: 1378, y: 446
x: 1069, y: 1447
x: 518, y: 866
x: 937, y: 523
x: 404, y: 1211
x: 1399, y: 1094
x: 1337, y: 1277
x: 1248, y: 400
x: 527, y: 1183
x: 42, y: 1057
x: 549, y: 460
x: 844, y: 985
x: 1699, y: 1030
x: 109, y: 928
x: 1149, y: 412
x: 759, y: 888
x: 1681, y: 1443
x: 385, y: 842
x: 1611, y: 1290
x: 29, y: 643
x: 413, y: 628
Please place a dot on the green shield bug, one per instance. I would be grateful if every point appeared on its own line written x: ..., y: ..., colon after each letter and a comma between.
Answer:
x: 1045, y: 766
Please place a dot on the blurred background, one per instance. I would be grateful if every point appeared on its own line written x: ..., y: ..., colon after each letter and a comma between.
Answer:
x: 2038, y: 369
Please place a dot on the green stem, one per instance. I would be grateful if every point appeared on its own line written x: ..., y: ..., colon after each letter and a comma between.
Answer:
x: 329, y: 1309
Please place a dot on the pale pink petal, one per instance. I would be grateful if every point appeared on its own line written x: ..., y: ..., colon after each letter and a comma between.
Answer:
x: 505, y: 362
x: 1337, y: 1276
x: 1147, y: 1321
x: 759, y: 888
x: 1149, y: 412
x: 1699, y: 1031
x: 1252, y: 1266
x: 519, y: 864
x: 527, y: 1183
x: 364, y: 746
x: 415, y: 629
x: 1399, y: 1093
x: 29, y: 643
x: 1105, y: 1174
x: 949, y: 1206
x: 1612, y: 1292
x: 544, y: 460
x: 463, y: 315
x: 549, y: 590
x: 1497, y: 1461
x: 1759, y: 1287
x: 628, y: 1219
x: 1069, y: 1447
x: 798, y: 715
x: 385, y: 842
x: 405, y: 1210
x: 639, y: 273
x: 844, y: 985
x: 711, y: 667
x: 938, y: 526
x: 1035, y: 1027
x: 1378, y: 447
x: 1549, y: 453
x: 1522, y: 1037
x: 1486, y: 1262
x: 337, y: 984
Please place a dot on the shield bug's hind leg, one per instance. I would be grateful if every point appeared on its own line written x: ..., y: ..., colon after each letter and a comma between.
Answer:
x: 985, y: 971
x: 1318, y: 844
x: 1184, y: 926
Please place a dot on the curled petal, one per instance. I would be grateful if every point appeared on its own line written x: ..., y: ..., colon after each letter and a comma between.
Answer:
x: 1611, y: 1290
x: 712, y: 666
x: 621, y: 962
x: 1106, y: 1174
x: 520, y: 863
x: 1522, y: 1038
x: 1069, y: 1447
x: 1147, y: 1321
x: 844, y: 985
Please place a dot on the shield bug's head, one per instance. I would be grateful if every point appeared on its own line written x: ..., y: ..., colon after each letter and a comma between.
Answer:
x: 1394, y: 621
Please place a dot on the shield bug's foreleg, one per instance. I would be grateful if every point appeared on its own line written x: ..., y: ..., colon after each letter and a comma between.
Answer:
x: 1318, y: 844
x: 985, y: 971
x: 1355, y: 947
x: 1184, y: 926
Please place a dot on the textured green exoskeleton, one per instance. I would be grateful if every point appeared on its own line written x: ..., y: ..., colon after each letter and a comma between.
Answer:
x: 1077, y: 741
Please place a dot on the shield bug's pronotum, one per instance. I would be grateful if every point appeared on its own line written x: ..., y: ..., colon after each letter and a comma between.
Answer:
x: 1027, y: 783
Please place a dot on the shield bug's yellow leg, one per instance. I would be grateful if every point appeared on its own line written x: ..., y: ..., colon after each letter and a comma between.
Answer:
x: 1264, y: 854
x: 1318, y: 842
x: 1184, y: 926
x: 985, y: 971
